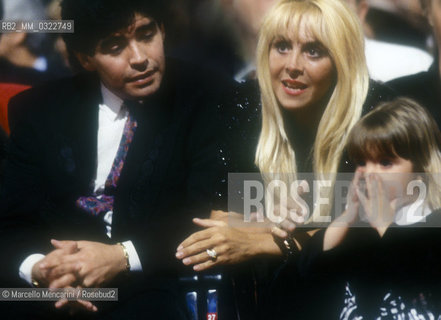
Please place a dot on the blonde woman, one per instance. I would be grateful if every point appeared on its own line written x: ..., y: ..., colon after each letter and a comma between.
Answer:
x: 313, y: 81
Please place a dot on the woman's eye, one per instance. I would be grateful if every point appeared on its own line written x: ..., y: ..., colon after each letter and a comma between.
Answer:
x: 315, y: 50
x: 282, y: 46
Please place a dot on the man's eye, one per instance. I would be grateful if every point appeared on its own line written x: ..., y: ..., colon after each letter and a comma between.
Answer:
x: 115, y: 48
x: 112, y: 47
x: 361, y: 163
x: 147, y: 36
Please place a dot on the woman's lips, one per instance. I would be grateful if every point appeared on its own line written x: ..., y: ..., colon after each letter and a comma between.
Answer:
x: 293, y: 87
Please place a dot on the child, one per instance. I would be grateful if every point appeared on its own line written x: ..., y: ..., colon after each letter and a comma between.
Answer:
x: 390, y: 146
x: 389, y: 268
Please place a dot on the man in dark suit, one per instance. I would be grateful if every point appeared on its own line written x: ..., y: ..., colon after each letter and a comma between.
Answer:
x: 113, y: 162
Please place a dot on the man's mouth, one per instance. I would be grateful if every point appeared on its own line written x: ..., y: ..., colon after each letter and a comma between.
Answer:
x: 143, y: 78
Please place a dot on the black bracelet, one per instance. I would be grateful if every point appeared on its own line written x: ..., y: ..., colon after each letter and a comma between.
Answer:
x: 287, y: 246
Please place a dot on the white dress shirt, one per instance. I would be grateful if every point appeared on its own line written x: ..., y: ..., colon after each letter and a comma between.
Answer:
x: 111, y: 124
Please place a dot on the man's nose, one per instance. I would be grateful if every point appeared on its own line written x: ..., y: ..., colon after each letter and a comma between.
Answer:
x: 138, y: 57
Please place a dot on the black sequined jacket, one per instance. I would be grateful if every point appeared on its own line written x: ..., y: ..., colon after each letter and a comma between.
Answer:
x: 240, y: 118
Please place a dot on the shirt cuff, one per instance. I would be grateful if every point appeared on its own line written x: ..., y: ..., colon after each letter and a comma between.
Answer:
x: 135, y: 263
x: 25, y: 270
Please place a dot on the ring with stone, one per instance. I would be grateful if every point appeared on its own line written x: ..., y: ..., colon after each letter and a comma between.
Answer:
x: 212, y: 254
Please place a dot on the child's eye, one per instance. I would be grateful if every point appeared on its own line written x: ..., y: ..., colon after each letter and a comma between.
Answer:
x: 386, y: 162
x: 361, y: 163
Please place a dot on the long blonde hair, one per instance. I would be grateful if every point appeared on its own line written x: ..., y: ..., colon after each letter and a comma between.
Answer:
x: 338, y: 29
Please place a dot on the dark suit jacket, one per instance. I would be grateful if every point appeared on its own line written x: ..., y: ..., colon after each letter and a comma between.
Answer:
x: 167, y: 178
x: 424, y: 87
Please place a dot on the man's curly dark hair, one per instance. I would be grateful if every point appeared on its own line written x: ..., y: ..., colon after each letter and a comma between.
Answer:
x: 96, y: 19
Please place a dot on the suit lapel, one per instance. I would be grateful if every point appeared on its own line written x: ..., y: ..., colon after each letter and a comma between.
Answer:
x: 147, y: 157
x: 144, y: 151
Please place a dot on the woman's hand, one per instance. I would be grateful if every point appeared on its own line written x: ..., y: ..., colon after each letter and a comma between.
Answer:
x: 230, y: 244
x: 256, y: 224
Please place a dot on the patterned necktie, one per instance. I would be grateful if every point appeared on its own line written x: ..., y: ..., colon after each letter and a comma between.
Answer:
x: 102, y: 203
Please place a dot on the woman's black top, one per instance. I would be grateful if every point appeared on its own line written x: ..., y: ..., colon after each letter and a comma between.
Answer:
x: 240, y: 118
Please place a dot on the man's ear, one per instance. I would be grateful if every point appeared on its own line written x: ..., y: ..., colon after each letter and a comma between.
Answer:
x: 85, y: 61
